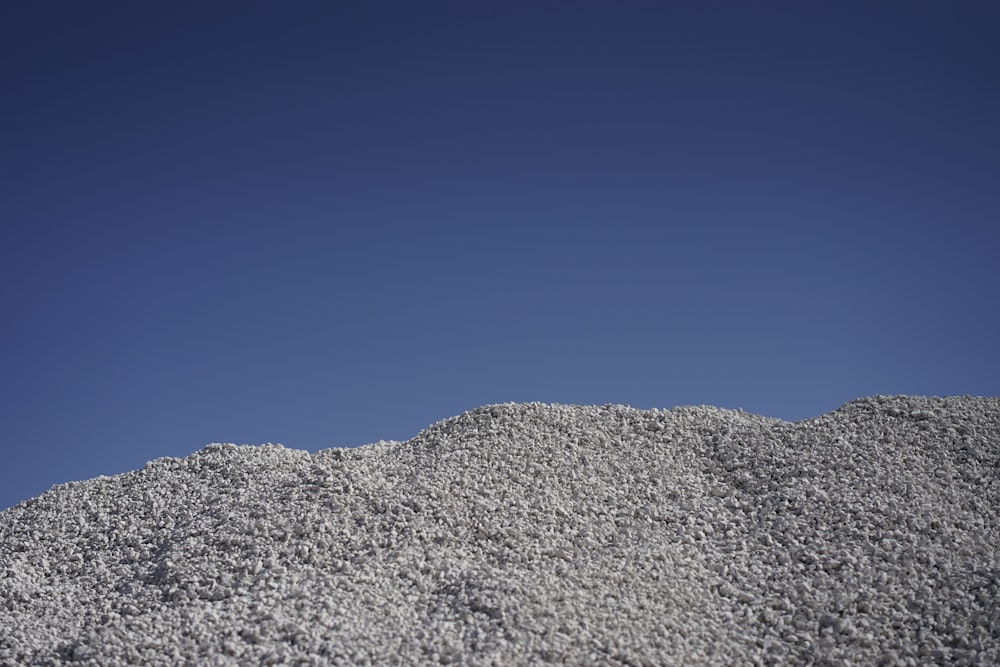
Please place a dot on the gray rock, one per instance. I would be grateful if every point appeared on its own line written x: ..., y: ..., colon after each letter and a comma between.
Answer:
x: 529, y: 533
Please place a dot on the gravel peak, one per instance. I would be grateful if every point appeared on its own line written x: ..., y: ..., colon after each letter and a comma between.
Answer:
x: 530, y: 533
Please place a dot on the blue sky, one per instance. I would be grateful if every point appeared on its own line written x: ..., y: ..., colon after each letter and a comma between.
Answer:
x: 324, y: 224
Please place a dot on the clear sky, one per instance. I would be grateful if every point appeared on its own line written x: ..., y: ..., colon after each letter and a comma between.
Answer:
x: 328, y: 223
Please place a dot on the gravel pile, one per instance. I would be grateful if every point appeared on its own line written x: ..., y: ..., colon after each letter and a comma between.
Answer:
x: 533, y: 534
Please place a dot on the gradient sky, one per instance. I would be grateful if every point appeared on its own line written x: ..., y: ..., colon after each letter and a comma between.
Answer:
x: 328, y: 223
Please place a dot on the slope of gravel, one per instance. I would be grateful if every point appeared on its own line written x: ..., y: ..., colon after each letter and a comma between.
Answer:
x: 533, y: 534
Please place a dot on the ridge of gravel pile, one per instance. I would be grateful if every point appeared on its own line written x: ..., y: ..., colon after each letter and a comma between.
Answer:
x: 533, y: 534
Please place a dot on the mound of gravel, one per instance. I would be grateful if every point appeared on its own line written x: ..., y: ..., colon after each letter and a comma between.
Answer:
x: 533, y: 534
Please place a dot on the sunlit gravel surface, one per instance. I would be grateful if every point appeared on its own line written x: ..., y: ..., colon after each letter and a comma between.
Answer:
x: 533, y: 534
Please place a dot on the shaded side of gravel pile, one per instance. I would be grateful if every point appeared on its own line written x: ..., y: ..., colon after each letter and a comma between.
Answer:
x: 529, y: 533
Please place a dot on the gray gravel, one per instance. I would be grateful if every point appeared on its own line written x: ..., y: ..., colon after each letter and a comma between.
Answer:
x: 533, y: 534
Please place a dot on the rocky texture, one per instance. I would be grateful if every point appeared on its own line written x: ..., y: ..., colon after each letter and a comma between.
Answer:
x: 528, y: 533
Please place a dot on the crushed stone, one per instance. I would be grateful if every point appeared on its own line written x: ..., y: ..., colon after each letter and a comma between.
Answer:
x: 533, y: 534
